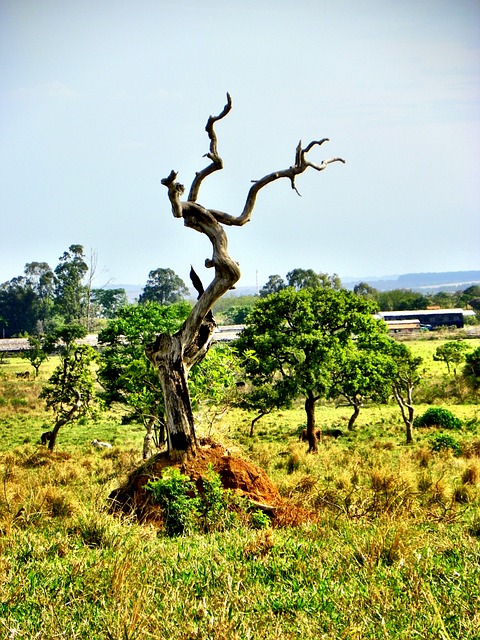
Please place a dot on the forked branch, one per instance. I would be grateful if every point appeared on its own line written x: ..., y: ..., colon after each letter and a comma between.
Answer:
x: 175, y: 189
x: 210, y: 221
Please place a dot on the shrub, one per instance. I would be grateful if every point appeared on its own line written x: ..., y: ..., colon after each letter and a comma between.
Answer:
x: 445, y: 442
x: 438, y: 417
x: 259, y: 520
x: 177, y: 497
x: 213, y: 503
x: 186, y: 511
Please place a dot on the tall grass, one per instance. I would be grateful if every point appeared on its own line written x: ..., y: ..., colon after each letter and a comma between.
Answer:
x: 389, y: 547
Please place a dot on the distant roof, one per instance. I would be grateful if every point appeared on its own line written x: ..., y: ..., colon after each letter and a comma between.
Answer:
x: 421, y: 312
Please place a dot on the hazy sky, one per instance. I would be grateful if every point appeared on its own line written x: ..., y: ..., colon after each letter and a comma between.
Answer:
x: 101, y: 99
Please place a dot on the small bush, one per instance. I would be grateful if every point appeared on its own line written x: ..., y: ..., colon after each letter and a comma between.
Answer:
x: 438, y: 417
x: 445, y: 442
x: 213, y: 503
x: 259, y: 520
x: 177, y: 497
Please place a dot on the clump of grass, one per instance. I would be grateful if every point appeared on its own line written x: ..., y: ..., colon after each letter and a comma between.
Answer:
x: 470, y: 475
x: 293, y: 462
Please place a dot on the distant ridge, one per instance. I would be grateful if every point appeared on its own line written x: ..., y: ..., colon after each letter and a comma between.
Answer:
x: 443, y: 281
x: 425, y: 282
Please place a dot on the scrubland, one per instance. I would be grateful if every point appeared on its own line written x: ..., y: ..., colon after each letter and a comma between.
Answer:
x: 389, y: 546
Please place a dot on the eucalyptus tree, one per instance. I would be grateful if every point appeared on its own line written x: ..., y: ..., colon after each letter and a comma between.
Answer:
x: 275, y: 284
x: 163, y: 286
x: 174, y: 355
x: 70, y: 290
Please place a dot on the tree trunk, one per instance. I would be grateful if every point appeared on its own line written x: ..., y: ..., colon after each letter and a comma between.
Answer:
x: 54, y: 433
x: 407, y: 410
x: 354, y: 416
x: 148, y: 439
x: 310, y: 411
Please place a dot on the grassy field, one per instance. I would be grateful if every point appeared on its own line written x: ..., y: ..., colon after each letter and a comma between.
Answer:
x: 391, y: 549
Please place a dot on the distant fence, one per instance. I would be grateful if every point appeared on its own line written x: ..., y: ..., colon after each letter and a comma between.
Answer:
x: 16, y: 345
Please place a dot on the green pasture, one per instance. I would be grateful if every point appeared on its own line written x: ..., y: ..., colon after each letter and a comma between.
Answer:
x: 387, y: 546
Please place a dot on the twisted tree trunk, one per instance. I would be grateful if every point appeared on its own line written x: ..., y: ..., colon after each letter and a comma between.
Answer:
x: 174, y: 356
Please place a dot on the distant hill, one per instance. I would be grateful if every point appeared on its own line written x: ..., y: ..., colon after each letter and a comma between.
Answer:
x: 424, y: 282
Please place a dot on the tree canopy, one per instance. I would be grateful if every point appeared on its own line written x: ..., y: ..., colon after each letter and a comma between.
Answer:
x: 163, y: 286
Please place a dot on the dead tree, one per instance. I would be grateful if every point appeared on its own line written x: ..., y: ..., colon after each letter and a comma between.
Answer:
x: 174, y: 356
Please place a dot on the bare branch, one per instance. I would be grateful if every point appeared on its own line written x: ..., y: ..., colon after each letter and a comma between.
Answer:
x: 301, y: 164
x: 217, y: 162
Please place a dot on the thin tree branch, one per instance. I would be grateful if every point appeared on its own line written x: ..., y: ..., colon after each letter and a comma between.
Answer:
x: 217, y: 162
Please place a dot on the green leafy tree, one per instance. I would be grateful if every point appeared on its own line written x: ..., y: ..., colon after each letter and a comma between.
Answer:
x: 18, y: 308
x: 38, y: 350
x: 125, y: 372
x: 296, y: 336
x: 163, y: 286
x: 307, y: 278
x: 362, y: 371
x: 26, y: 302
x: 452, y: 353
x: 275, y: 284
x: 212, y: 382
x: 128, y: 378
x: 365, y: 290
x: 40, y: 278
x: 443, y: 299
x: 401, y: 300
x: 471, y: 371
x: 70, y: 291
x: 107, y: 302
x: 263, y: 398
x: 465, y: 297
x: 70, y: 391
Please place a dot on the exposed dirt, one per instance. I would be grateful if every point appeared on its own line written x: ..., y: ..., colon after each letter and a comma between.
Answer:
x: 239, y: 475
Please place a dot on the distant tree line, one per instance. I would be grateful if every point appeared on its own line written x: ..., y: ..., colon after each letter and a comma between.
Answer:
x: 393, y: 300
x: 234, y: 310
x: 43, y: 299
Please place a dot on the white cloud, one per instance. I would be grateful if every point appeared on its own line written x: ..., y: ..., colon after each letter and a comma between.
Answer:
x: 47, y: 90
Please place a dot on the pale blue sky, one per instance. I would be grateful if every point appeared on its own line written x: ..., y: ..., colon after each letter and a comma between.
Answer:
x: 101, y: 99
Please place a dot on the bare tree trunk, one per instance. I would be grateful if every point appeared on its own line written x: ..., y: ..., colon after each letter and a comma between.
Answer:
x: 407, y: 410
x: 310, y: 411
x: 148, y: 439
x: 173, y: 356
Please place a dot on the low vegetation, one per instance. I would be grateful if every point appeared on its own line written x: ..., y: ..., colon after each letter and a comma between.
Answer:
x: 383, y: 539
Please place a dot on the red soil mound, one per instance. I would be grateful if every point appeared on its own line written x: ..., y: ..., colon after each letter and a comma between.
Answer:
x: 236, y: 474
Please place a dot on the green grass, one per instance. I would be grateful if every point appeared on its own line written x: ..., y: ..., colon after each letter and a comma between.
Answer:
x: 392, y: 549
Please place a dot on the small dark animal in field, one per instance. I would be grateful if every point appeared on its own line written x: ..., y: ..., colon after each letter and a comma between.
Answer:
x: 335, y: 433
x: 23, y: 374
x: 304, y: 437
x: 45, y: 437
